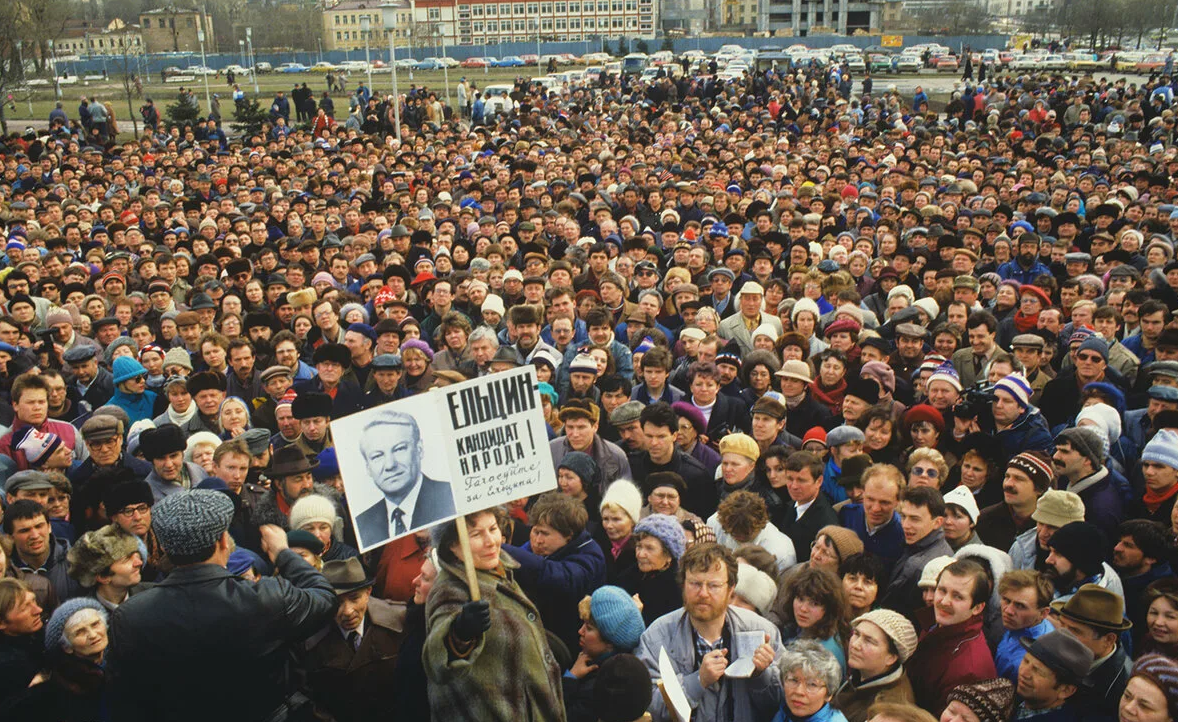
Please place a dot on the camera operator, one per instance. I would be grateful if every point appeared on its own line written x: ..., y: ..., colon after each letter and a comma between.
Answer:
x: 1009, y: 415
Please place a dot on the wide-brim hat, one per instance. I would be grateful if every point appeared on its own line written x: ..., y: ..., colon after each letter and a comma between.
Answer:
x: 347, y: 575
x: 288, y: 461
x: 1095, y: 606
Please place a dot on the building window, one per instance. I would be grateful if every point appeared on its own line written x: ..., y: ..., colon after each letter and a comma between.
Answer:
x: 478, y: 26
x: 615, y: 23
x: 590, y: 24
x: 575, y: 8
x: 574, y: 23
x: 602, y: 6
x: 546, y: 24
x: 492, y: 26
x: 435, y: 13
x: 518, y: 8
x: 616, y: 6
x: 561, y: 24
x: 519, y: 26
x: 533, y: 9
x: 191, y: 22
x: 632, y: 23
x: 338, y: 36
x: 477, y: 11
x: 631, y: 6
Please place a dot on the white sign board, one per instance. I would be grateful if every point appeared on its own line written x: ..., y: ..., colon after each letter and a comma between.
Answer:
x: 413, y: 463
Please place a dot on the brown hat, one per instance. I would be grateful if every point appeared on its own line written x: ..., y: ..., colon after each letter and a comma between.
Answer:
x: 1095, y: 606
x: 187, y: 318
x: 845, y: 541
x: 991, y: 701
x: 580, y: 409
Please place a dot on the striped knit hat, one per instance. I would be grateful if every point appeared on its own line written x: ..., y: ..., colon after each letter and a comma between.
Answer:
x: 1036, y: 465
x: 945, y: 372
x: 1163, y: 672
x: 991, y: 701
x: 1017, y: 386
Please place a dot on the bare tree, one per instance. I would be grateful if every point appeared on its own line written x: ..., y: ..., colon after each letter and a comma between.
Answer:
x: 128, y: 67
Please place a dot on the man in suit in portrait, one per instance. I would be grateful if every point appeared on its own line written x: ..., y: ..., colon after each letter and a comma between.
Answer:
x: 392, y: 448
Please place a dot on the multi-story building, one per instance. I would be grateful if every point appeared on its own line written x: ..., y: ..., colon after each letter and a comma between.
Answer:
x: 486, y: 22
x: 175, y: 30
x: 740, y: 16
x: 435, y: 23
x: 343, y: 25
x: 841, y: 16
x: 84, y: 38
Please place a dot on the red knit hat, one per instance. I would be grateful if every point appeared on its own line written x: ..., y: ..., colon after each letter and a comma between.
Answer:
x: 815, y: 434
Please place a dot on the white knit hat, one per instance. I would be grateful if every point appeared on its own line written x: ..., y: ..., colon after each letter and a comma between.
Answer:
x: 315, y: 507
x: 626, y: 496
x: 932, y: 570
x: 805, y: 304
x: 963, y: 497
x: 755, y: 586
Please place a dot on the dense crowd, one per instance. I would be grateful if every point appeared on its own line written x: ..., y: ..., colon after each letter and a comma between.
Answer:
x: 859, y: 410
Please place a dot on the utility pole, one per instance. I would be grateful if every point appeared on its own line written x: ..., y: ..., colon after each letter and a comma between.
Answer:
x: 249, y: 39
x: 389, y: 15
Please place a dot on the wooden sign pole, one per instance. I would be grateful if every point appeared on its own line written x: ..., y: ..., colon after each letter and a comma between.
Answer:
x: 472, y: 580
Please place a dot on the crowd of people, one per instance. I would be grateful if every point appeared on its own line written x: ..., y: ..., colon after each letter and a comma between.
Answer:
x: 859, y: 410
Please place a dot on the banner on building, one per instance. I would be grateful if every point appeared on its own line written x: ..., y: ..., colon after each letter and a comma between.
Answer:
x: 410, y: 464
x: 891, y: 41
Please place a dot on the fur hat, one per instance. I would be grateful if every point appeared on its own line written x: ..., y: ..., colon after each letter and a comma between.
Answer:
x: 159, y: 442
x: 311, y: 404
x: 97, y: 550
x: 625, y: 495
x: 756, y: 587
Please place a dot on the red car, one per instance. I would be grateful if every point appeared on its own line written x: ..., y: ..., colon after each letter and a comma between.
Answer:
x: 530, y: 59
x: 474, y: 63
x: 946, y: 63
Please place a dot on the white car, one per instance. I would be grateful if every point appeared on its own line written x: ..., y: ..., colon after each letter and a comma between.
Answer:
x: 1026, y: 62
x: 237, y: 70
x: 354, y: 66
x: 596, y: 58
x: 844, y: 49
x: 199, y: 70
x: 497, y: 100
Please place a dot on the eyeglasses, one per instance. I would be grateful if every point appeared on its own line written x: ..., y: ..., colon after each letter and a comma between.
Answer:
x: 645, y: 272
x: 137, y: 510
x: 1089, y: 357
x: 811, y: 685
x: 714, y: 588
x: 921, y: 471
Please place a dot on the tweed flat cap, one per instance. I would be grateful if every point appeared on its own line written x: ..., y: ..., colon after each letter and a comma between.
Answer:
x: 191, y: 522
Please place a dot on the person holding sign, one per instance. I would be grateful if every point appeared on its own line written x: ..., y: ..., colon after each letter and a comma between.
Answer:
x: 708, y: 638
x: 392, y: 448
x: 487, y: 660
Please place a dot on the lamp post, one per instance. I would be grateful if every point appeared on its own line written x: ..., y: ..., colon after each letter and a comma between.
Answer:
x: 249, y: 41
x: 241, y: 51
x: 366, y: 29
x: 200, y: 36
x: 389, y: 18
x: 539, y: 69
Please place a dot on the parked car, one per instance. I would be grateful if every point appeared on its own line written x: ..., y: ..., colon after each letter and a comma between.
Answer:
x: 946, y: 64
x: 497, y: 100
x: 1151, y: 64
x: 172, y: 70
x: 237, y: 69
x: 1083, y: 61
x: 263, y: 68
x: 199, y: 70
x: 292, y: 68
x: 1025, y: 62
x: 407, y: 63
x: 474, y: 63
x: 324, y: 67
x: 429, y: 64
x: 530, y: 59
x: 593, y: 58
x: 906, y: 64
x: 879, y: 63
x: 509, y: 61
x: 359, y: 66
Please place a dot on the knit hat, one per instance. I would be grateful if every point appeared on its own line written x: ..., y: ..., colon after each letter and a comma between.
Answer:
x: 178, y: 357
x: 58, y: 315
x: 127, y: 341
x: 1162, y: 449
x: 1101, y: 416
x: 755, y: 586
x: 37, y: 446
x: 945, y: 372
x: 805, y: 304
x: 126, y: 368
x: 963, y: 497
x: 929, y: 306
x: 191, y: 522
x: 991, y: 701
x: 623, y: 494
x: 583, y: 363
x: 1058, y: 508
x: 1036, y: 465
x: 1082, y: 543
x: 667, y: 530
x: 1085, y: 440
x: 617, y: 617
x: 55, y: 627
x: 97, y: 550
x: 741, y: 444
x: 1017, y: 386
x: 315, y: 507
x: 582, y: 465
x: 844, y: 434
x: 1163, y: 672
x: 622, y: 690
x: 1095, y: 343
x: 845, y: 541
x: 815, y: 434
x: 893, y: 624
x: 932, y: 570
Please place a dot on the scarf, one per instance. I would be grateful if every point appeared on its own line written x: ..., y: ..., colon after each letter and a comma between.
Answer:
x: 831, y: 398
x: 182, y: 418
x: 615, y: 547
x: 1024, y: 323
x: 1153, y: 500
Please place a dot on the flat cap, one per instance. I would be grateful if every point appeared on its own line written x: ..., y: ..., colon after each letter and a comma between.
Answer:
x: 627, y: 413
x: 191, y: 522
x: 258, y: 440
x: 28, y: 481
x: 101, y: 427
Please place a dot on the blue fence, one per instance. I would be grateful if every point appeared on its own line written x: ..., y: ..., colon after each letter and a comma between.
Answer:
x: 151, y: 65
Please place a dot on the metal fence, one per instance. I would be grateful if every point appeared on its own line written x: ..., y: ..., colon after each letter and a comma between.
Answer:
x: 152, y: 65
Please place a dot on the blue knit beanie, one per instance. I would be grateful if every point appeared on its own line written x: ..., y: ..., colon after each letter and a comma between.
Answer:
x: 667, y: 530
x: 582, y: 465
x: 617, y: 617
x: 55, y: 627
x: 126, y: 368
x: 1162, y: 449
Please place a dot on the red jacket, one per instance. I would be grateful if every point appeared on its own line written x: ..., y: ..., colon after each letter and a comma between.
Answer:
x: 947, y: 657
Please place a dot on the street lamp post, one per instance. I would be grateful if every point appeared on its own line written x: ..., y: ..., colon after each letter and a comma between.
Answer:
x: 389, y: 16
x: 366, y: 29
x: 200, y: 36
x: 249, y: 41
x: 241, y: 51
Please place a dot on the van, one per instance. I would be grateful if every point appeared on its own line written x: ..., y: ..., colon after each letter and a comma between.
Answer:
x: 635, y: 63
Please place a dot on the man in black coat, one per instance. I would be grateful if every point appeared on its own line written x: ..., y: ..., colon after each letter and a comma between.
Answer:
x: 173, y: 647
x: 810, y: 510
x: 659, y: 424
x: 331, y: 360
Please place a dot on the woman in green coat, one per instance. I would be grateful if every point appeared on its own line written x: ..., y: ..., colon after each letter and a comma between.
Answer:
x: 487, y: 661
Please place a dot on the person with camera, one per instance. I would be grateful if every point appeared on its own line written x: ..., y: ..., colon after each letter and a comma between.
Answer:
x: 1016, y: 424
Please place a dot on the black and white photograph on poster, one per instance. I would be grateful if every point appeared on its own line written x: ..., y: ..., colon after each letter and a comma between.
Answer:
x: 412, y: 463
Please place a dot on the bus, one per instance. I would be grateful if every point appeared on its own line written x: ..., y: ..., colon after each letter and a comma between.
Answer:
x: 635, y: 63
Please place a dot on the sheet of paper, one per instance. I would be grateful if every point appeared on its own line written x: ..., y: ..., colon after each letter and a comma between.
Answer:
x: 745, y: 645
x: 672, y: 689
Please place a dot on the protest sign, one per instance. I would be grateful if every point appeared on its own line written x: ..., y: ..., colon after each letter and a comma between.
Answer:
x: 410, y: 464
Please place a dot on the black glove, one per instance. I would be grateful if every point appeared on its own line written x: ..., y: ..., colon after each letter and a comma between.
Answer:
x: 472, y: 621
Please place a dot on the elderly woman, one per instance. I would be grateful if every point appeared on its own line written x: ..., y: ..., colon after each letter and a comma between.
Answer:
x: 927, y: 467
x: 418, y: 358
x: 200, y: 448
x: 810, y: 677
x: 486, y: 660
x: 73, y: 685
x: 611, y: 624
x: 318, y: 515
x: 664, y: 495
x: 659, y: 542
x: 621, y: 508
x: 881, y: 641
x: 862, y: 576
x: 452, y: 336
x: 756, y: 374
x: 1152, y: 692
x: 815, y: 608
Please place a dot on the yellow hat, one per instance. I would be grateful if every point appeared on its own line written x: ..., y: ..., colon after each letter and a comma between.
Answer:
x: 742, y: 444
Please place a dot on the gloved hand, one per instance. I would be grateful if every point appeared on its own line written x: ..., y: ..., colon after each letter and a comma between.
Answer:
x: 472, y: 621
